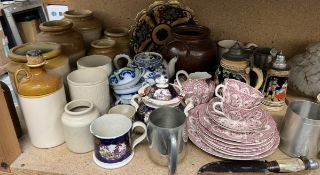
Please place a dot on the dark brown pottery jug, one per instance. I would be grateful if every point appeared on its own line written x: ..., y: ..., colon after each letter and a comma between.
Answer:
x: 193, y: 47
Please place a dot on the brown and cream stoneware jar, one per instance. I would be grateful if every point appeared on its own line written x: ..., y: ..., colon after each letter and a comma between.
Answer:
x: 104, y: 46
x: 121, y: 36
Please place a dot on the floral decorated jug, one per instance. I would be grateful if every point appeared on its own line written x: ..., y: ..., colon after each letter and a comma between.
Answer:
x: 153, y: 63
x: 235, y: 65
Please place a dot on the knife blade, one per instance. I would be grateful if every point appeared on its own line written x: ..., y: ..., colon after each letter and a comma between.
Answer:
x: 236, y: 166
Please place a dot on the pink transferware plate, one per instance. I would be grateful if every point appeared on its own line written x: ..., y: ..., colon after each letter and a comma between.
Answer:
x: 255, y: 122
x: 199, y: 142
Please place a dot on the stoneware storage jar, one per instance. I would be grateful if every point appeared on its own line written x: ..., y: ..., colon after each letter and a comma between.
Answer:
x: 104, y: 46
x: 121, y: 36
x: 61, y: 32
x: 90, y: 84
x: 96, y: 61
x: 84, y: 22
x: 194, y: 48
x: 42, y: 100
x: 76, y: 120
x: 56, y: 61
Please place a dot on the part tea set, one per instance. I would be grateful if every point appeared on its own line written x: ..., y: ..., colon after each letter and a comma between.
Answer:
x: 105, y: 98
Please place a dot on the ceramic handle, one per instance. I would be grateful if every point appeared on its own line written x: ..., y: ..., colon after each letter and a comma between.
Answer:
x: 248, y: 45
x: 16, y: 79
x: 216, y: 91
x: 259, y: 74
x: 189, y: 106
x: 214, y: 105
x: 117, y: 57
x: 133, y: 101
x: 142, y: 137
x: 177, y: 76
x: 173, y: 152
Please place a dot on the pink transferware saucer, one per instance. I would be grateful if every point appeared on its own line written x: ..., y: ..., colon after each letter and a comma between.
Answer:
x: 199, y: 142
x: 244, y: 137
x: 255, y: 122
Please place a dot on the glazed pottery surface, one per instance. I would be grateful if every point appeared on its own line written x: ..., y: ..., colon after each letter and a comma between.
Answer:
x: 91, y: 84
x: 238, y: 94
x: 126, y: 110
x: 76, y: 120
x: 125, y: 78
x: 105, y: 47
x: 152, y: 62
x: 153, y: 25
x: 235, y: 65
x: 114, y: 145
x: 121, y: 36
x: 57, y: 62
x: 194, y: 48
x: 61, y: 32
x: 84, y: 22
x: 167, y: 137
x: 96, y: 61
x: 197, y: 86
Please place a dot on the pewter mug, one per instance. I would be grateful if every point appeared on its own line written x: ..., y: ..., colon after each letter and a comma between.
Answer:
x: 300, y: 131
x: 167, y: 137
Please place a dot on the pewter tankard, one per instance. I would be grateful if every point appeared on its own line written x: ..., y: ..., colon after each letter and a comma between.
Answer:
x: 300, y: 131
x: 167, y: 137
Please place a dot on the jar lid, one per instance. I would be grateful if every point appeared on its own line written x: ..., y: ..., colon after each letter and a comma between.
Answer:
x: 236, y: 53
x: 34, y: 58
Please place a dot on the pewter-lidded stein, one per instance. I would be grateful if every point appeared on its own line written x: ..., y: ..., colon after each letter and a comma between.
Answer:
x: 235, y: 64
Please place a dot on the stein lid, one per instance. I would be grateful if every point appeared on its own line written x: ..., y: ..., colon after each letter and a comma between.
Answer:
x: 280, y: 62
x: 236, y: 53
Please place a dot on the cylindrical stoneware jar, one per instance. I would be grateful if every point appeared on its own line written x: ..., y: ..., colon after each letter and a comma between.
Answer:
x: 57, y: 62
x: 42, y: 100
x: 76, y: 120
x: 90, y: 84
x: 84, y: 22
x: 96, y: 61
x: 104, y: 46
x: 61, y: 32
x: 121, y: 36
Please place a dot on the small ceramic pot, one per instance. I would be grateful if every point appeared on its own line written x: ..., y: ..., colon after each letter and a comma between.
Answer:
x: 91, y: 84
x: 84, y: 22
x: 126, y: 110
x: 239, y: 94
x: 235, y: 113
x: 61, y: 32
x: 76, y: 120
x: 121, y: 36
x: 105, y: 47
x: 114, y: 145
x: 96, y: 61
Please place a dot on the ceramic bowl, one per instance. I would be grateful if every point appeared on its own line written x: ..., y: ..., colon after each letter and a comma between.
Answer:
x: 126, y: 110
x: 130, y: 90
x: 125, y: 78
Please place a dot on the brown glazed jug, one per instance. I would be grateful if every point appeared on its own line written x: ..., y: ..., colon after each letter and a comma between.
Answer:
x: 193, y: 47
x: 61, y: 32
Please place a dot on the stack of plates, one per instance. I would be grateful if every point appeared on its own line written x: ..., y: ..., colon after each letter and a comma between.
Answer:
x: 254, y: 138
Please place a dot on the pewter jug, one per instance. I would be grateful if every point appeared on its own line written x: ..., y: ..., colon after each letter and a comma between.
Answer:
x: 167, y: 137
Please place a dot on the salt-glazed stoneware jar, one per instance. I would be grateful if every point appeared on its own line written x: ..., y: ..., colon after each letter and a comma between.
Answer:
x: 151, y: 97
x: 56, y: 61
x: 42, y: 100
x: 61, y: 32
x: 105, y: 47
x: 84, y: 22
x: 76, y: 120
x: 121, y: 36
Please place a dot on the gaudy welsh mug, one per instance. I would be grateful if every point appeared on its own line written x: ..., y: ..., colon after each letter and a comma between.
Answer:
x: 112, y: 133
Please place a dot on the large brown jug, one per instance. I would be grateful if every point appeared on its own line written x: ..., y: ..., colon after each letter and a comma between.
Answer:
x: 61, y: 32
x: 193, y: 47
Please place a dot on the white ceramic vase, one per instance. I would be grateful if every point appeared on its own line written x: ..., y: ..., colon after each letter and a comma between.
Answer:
x: 42, y: 115
x: 76, y: 120
x: 90, y: 84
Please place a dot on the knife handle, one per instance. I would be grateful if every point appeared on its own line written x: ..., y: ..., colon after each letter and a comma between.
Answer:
x: 292, y: 165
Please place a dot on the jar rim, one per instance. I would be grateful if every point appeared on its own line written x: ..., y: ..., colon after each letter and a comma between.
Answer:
x: 78, y: 103
x: 56, y: 26
x: 200, y: 32
x: 81, y: 13
x: 116, y: 31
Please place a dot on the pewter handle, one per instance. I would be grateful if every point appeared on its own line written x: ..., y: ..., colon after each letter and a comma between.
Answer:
x: 117, y: 57
x: 173, y: 155
x: 177, y: 76
x: 142, y: 137
x: 16, y: 79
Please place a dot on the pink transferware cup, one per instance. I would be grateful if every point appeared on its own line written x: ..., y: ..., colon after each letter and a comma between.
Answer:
x: 238, y: 94
x: 236, y: 113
